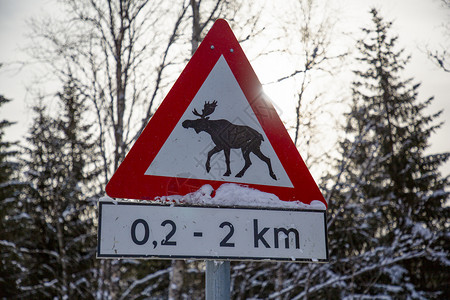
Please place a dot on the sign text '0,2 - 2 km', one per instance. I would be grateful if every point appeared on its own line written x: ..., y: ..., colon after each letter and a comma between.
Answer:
x: 161, y: 231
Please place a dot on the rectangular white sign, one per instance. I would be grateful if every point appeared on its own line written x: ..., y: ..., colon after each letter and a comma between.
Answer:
x: 141, y: 230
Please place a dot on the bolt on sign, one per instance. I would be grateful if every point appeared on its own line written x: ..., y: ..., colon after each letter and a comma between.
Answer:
x: 215, y: 126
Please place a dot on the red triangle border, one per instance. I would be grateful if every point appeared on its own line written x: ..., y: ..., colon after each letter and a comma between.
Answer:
x: 129, y: 180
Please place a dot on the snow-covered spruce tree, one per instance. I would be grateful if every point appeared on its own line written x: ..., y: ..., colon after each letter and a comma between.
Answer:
x: 388, y: 217
x: 11, y: 219
x: 60, y: 253
x: 387, y: 213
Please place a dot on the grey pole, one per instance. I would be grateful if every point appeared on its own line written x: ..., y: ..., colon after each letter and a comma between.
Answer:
x: 217, y: 280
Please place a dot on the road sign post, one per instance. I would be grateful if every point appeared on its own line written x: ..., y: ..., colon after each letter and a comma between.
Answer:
x: 215, y: 127
x: 217, y: 285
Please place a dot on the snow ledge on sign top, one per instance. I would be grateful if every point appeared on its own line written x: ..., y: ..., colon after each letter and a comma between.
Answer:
x: 232, y: 195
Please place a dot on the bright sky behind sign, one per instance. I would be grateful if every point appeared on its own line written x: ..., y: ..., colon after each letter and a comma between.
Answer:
x: 418, y: 23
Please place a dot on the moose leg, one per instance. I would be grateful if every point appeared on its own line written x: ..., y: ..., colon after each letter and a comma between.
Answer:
x: 227, y: 161
x: 211, y: 153
x: 246, y: 155
x: 265, y: 159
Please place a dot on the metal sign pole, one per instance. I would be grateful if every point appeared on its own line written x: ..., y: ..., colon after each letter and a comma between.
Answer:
x: 217, y: 280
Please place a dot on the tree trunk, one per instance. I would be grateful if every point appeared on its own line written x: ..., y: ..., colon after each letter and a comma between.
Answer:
x: 279, y: 280
x: 179, y: 266
x: 176, y: 279
x: 62, y: 258
x: 196, y: 29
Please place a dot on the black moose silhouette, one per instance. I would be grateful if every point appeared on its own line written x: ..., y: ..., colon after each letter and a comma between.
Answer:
x: 226, y: 136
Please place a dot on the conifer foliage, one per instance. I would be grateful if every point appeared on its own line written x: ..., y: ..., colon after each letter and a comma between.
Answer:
x: 387, y: 210
x: 388, y: 220
x: 60, y: 253
x: 11, y: 263
x: 388, y: 203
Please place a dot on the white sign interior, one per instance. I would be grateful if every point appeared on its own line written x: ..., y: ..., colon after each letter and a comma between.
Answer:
x: 161, y: 231
x: 184, y: 154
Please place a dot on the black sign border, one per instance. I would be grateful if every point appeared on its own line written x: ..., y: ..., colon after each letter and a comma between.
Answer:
x: 187, y: 257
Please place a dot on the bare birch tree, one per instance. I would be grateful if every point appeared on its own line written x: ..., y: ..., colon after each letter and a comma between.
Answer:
x: 309, y: 36
x: 118, y: 53
x: 441, y: 57
x: 123, y: 55
x: 307, y: 33
x: 202, y: 16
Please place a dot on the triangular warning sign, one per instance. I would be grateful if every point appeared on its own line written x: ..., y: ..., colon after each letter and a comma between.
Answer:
x: 215, y: 125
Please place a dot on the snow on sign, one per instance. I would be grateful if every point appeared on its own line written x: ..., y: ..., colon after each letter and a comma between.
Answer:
x: 215, y: 126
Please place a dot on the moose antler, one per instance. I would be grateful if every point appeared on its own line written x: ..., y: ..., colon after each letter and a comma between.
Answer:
x: 208, y: 109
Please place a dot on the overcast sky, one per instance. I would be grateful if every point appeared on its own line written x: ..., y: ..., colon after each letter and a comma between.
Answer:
x: 419, y: 23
